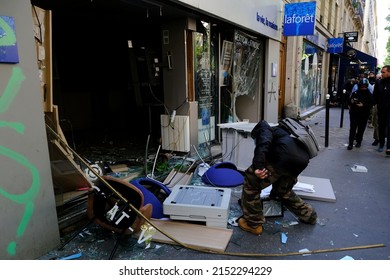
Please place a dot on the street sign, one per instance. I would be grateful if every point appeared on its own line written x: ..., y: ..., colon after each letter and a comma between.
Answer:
x: 351, y: 36
x: 299, y: 19
x: 335, y: 45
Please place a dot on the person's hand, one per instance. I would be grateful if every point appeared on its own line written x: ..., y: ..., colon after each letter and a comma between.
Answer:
x: 262, y: 173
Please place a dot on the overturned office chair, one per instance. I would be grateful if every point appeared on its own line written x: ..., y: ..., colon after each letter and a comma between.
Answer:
x: 112, y: 211
x: 154, y: 193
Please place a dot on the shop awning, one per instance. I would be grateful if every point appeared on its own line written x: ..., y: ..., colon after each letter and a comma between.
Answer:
x: 353, y: 62
x: 357, y: 57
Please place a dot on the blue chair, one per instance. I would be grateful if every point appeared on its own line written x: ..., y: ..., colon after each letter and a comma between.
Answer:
x: 154, y: 193
x: 223, y: 174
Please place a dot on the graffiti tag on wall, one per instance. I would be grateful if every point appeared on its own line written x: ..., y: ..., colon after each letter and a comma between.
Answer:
x: 7, y: 95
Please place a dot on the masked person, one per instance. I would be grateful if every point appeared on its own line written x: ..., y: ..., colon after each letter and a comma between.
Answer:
x: 278, y: 160
x: 360, y: 104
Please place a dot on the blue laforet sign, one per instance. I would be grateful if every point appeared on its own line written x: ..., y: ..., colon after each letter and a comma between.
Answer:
x: 335, y: 45
x: 8, y: 46
x: 299, y: 19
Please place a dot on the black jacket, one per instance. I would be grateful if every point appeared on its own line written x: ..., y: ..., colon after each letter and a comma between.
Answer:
x: 382, y: 94
x: 363, y: 96
x: 274, y: 145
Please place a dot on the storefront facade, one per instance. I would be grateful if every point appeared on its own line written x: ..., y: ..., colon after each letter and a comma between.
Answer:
x: 194, y: 62
x: 236, y: 60
x: 310, y: 92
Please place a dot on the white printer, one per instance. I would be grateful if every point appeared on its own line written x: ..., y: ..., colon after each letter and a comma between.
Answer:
x: 199, y: 203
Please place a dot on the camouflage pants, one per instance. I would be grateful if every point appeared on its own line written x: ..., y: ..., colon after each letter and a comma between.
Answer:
x: 282, y: 185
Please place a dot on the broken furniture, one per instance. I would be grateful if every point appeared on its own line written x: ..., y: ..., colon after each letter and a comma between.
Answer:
x: 154, y: 193
x: 223, y: 174
x: 199, y: 236
x: 238, y: 144
x: 114, y: 205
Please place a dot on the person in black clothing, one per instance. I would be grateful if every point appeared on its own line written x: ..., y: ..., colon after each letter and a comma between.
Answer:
x: 359, y: 103
x: 278, y: 160
x: 373, y: 119
x: 382, y: 101
x: 348, y: 86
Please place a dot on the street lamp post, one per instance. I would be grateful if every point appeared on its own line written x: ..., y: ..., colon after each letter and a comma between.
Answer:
x: 327, y: 120
x: 342, y: 108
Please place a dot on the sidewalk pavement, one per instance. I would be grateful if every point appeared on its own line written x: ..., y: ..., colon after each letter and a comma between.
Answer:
x: 356, y: 225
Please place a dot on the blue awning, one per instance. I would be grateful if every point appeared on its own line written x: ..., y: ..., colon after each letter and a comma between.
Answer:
x: 353, y: 62
x: 355, y: 56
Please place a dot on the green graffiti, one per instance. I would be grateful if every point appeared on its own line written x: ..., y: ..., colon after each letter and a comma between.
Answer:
x: 33, y: 191
x: 11, y: 248
x: 18, y: 127
x: 27, y: 198
x: 10, y: 38
x: 12, y: 88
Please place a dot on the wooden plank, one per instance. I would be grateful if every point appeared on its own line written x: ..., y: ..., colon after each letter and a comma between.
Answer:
x: 66, y: 173
x: 177, y: 178
x: 56, y: 122
x: 196, y: 235
x: 323, y: 190
x: 119, y: 167
x: 65, y: 197
x: 42, y: 27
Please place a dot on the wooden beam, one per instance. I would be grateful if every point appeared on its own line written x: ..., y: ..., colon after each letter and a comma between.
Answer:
x: 196, y: 235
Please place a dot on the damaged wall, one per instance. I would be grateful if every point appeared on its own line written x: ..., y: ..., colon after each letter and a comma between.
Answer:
x: 28, y: 214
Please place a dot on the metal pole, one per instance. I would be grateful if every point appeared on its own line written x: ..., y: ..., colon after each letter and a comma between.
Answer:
x: 342, y: 107
x: 327, y: 120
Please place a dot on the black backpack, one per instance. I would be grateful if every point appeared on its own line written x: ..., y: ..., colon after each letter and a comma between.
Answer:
x: 302, y: 133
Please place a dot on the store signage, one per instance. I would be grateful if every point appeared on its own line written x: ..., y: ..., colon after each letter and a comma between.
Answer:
x: 351, y: 53
x: 351, y: 36
x: 299, y: 19
x: 8, y: 44
x: 264, y: 17
x: 335, y: 45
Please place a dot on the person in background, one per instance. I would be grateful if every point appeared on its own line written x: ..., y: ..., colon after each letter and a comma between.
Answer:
x: 371, y: 80
x: 348, y: 86
x: 359, y: 103
x: 278, y: 160
x: 382, y: 101
x: 373, y: 120
x: 358, y: 79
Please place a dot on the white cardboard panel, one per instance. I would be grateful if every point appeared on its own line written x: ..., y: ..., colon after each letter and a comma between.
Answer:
x: 322, y: 187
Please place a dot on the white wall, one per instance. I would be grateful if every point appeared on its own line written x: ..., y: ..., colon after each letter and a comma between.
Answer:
x: 258, y: 16
x: 29, y: 226
x: 271, y: 83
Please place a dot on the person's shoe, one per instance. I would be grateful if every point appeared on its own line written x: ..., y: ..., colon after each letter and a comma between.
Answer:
x: 358, y: 145
x: 242, y: 223
x: 380, y: 149
x: 349, y: 147
x: 376, y: 142
x: 388, y: 152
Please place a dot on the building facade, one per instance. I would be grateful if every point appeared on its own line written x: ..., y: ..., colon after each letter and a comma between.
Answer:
x: 170, y: 71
